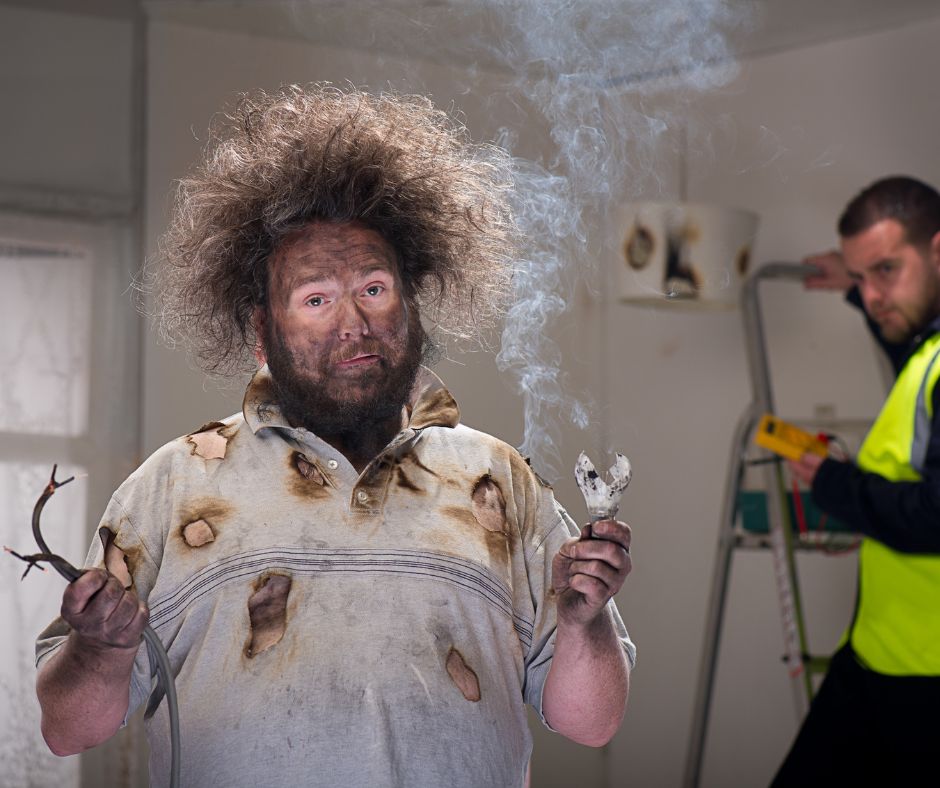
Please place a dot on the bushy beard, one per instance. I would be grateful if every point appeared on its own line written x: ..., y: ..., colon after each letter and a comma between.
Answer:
x: 306, y: 403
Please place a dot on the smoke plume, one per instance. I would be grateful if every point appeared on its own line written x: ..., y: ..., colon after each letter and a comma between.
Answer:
x: 610, y: 82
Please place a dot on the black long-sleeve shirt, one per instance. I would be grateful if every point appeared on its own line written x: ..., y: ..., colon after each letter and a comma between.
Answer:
x: 903, y: 515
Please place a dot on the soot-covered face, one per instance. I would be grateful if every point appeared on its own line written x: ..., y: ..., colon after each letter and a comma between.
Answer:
x: 341, y: 342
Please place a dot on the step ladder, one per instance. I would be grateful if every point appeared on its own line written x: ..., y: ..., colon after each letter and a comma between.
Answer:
x: 766, y: 523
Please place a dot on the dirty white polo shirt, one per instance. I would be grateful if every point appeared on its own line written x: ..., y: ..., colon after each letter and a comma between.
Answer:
x: 330, y: 628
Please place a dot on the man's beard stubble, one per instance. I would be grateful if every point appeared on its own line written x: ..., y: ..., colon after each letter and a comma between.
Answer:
x: 306, y: 403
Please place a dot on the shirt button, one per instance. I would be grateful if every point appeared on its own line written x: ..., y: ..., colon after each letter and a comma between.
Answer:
x: 362, y: 496
x: 332, y: 464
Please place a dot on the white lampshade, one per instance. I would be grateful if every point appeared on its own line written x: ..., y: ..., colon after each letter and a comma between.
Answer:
x: 691, y: 254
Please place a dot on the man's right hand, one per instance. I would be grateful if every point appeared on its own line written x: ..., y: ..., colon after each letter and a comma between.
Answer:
x: 84, y: 687
x: 102, y: 612
x: 833, y: 275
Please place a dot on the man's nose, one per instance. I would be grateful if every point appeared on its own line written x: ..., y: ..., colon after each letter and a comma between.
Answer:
x: 351, y: 321
x: 871, y: 294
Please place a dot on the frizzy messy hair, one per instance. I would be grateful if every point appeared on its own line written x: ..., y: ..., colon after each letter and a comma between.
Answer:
x: 395, y: 163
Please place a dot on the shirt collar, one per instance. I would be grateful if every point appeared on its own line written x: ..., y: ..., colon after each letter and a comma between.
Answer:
x: 933, y: 327
x: 430, y: 404
x: 914, y: 343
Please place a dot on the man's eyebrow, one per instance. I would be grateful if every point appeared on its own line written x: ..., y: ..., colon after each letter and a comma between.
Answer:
x: 307, y: 279
x: 881, y: 261
x: 323, y: 275
x: 386, y: 267
x: 857, y: 276
x: 375, y: 250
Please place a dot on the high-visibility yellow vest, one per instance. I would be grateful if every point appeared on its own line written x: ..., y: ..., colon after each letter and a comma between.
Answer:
x: 896, y: 629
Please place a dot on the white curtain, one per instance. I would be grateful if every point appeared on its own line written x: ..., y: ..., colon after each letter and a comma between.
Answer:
x: 68, y: 333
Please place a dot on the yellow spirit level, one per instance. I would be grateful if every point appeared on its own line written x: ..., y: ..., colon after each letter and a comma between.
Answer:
x: 786, y: 439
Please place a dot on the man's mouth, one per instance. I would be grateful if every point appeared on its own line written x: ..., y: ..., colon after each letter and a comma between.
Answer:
x: 360, y: 360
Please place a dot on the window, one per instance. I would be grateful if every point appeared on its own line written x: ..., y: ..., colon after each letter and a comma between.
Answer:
x: 69, y: 395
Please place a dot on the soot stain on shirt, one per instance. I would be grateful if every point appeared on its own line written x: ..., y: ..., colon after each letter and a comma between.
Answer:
x: 267, y: 613
x: 115, y: 559
x: 462, y: 515
x: 198, y: 533
x: 412, y: 459
x: 305, y: 479
x: 402, y: 480
x: 520, y: 467
x: 261, y: 393
x: 209, y: 426
x: 485, y: 519
x: 200, y: 520
x: 210, y: 440
x: 407, y: 479
x: 434, y: 409
x: 539, y: 479
x: 463, y: 675
x: 488, y: 504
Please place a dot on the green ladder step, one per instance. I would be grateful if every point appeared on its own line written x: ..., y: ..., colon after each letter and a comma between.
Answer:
x: 752, y: 509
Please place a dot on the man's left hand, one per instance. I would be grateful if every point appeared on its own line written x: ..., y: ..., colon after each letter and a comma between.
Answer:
x: 587, y: 571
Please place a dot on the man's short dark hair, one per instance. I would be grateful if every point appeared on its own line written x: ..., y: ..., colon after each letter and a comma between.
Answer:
x: 910, y: 202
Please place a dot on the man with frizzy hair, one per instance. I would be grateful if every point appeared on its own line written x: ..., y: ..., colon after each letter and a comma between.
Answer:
x: 354, y: 588
x: 395, y: 163
x: 874, y: 720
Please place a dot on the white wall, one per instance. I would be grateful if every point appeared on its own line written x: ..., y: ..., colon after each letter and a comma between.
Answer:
x: 65, y: 93
x: 66, y: 87
x: 793, y: 138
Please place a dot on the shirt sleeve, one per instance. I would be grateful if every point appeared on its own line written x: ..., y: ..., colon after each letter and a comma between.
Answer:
x: 905, y: 516
x: 559, y: 527
x: 114, y: 539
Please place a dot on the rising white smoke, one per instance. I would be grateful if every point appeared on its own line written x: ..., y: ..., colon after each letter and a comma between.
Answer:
x: 590, y: 69
x: 609, y: 80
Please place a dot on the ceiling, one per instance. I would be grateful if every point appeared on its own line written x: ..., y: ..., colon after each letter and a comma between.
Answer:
x: 769, y: 25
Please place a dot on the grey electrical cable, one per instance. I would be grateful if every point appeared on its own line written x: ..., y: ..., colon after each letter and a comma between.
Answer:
x: 159, y: 660
x: 157, y: 651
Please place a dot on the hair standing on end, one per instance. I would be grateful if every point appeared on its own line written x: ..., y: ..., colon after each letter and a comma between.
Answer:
x: 393, y: 162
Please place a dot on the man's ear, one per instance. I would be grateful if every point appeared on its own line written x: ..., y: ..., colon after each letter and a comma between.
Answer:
x: 259, y: 320
x: 935, y: 249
